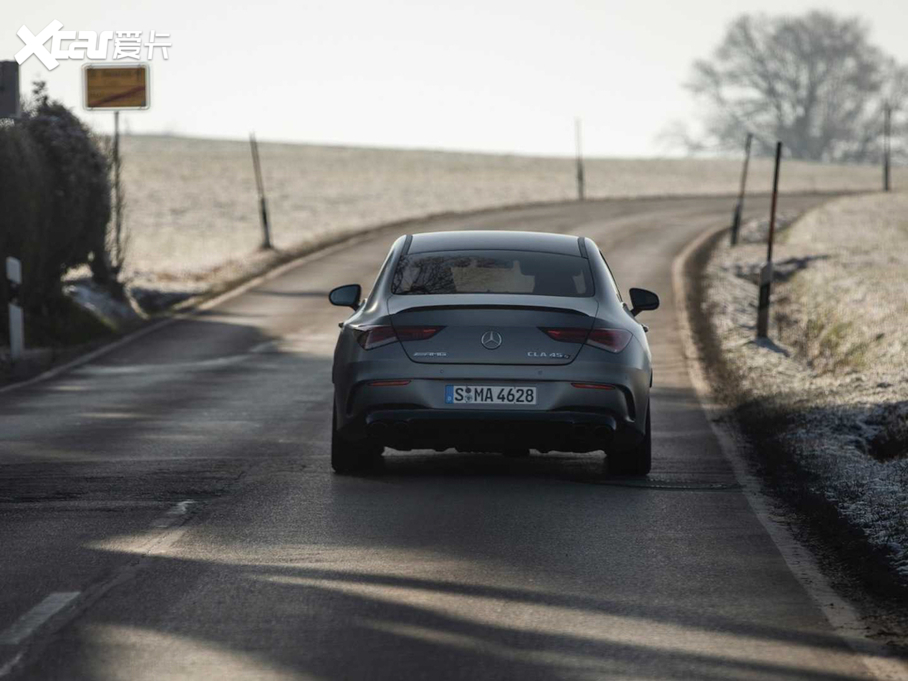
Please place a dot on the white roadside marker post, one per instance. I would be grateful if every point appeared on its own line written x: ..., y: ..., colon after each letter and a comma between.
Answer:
x: 766, y: 271
x: 581, y: 181
x: 739, y: 208
x: 887, y: 146
x: 260, y: 185
x: 16, y: 326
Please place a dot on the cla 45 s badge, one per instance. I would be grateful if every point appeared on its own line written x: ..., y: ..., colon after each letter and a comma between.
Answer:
x: 549, y: 355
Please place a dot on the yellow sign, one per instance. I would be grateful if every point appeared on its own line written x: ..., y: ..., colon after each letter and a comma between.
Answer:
x: 116, y: 87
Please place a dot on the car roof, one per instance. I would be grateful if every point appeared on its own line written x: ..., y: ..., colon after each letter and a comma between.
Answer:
x: 498, y: 240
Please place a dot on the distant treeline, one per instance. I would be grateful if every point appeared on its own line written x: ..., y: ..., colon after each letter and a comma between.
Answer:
x: 54, y: 202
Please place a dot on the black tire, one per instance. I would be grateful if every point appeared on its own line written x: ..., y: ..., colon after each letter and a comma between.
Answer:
x: 350, y: 457
x: 637, y: 461
x: 517, y: 453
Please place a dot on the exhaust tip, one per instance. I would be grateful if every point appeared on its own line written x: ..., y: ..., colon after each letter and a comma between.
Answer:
x: 603, y: 433
x: 582, y: 431
x: 378, y: 428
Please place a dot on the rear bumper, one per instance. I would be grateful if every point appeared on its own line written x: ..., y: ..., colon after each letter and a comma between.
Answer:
x: 413, y: 413
x: 494, y: 429
x: 406, y: 427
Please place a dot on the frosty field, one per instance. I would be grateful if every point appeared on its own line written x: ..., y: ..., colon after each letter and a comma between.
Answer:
x: 192, y: 203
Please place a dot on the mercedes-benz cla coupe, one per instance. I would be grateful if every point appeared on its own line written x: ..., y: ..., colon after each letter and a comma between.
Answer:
x: 493, y: 341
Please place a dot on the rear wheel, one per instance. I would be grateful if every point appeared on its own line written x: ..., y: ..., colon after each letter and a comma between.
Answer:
x: 350, y: 457
x: 636, y: 461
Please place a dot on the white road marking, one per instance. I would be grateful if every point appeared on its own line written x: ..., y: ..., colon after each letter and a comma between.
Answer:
x: 25, y: 626
x: 146, y: 369
x: 266, y: 346
x: 149, y: 545
x: 175, y: 514
x: 8, y: 666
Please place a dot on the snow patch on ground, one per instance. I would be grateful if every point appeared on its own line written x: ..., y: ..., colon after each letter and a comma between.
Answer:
x: 118, y: 314
x: 836, y: 364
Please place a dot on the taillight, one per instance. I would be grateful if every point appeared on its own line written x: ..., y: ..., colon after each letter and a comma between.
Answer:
x: 613, y: 340
x: 568, y: 335
x: 371, y: 337
x: 416, y: 333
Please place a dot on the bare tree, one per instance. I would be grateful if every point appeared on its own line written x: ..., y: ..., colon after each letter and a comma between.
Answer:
x: 813, y: 81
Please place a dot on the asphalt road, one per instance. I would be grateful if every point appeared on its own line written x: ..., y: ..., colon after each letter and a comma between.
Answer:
x: 168, y: 511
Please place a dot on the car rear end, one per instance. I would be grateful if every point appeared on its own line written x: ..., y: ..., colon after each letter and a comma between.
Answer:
x: 492, y: 349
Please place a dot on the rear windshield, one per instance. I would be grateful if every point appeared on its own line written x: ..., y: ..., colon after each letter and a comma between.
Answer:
x: 518, y: 272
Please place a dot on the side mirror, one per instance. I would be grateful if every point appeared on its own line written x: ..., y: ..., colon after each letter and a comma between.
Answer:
x: 641, y: 299
x: 346, y: 296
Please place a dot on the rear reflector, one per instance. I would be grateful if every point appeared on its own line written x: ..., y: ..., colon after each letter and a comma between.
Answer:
x: 371, y: 337
x: 593, y: 386
x: 388, y: 384
x: 613, y: 340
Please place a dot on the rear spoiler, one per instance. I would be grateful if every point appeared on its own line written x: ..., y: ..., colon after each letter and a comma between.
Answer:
x: 475, y: 306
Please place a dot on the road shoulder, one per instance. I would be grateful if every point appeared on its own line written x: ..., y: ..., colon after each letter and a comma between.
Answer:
x: 866, y: 621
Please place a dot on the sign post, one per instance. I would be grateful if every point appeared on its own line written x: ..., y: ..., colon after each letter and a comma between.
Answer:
x: 16, y: 324
x: 114, y: 88
x: 118, y: 207
x: 9, y: 89
x: 766, y: 271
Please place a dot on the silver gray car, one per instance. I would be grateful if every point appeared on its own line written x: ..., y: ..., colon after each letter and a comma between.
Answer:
x: 493, y: 341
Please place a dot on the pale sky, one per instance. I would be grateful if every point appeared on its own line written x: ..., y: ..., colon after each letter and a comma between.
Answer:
x: 485, y: 75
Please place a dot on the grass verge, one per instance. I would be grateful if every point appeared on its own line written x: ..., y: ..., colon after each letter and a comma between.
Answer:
x: 853, y: 565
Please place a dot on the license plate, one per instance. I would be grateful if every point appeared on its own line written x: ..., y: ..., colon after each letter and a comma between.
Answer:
x: 489, y: 394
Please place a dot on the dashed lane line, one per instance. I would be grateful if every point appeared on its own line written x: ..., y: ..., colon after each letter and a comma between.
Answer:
x: 26, y: 625
x: 177, y: 513
x: 9, y: 665
x: 170, y: 527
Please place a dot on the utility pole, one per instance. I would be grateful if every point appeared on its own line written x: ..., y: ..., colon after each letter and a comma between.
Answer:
x: 766, y: 271
x: 581, y: 193
x: 887, y: 145
x: 739, y: 209
x: 263, y: 205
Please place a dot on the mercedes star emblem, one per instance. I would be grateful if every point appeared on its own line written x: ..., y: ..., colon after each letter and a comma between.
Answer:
x: 491, y: 340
